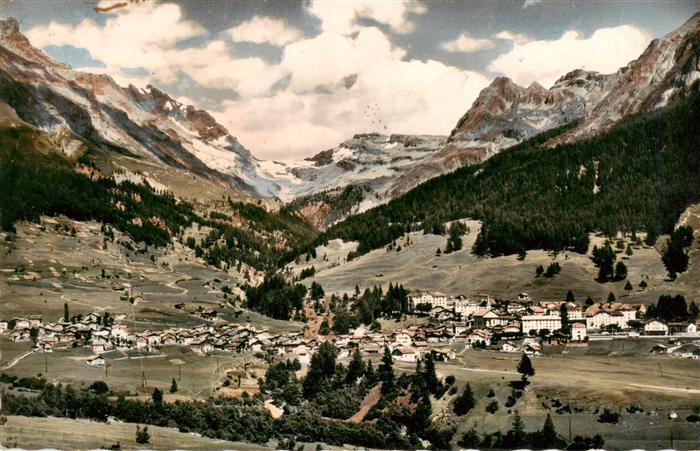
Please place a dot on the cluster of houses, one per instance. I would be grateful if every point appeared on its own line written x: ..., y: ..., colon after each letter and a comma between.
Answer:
x: 477, y: 324
x: 528, y: 318
x: 104, y: 336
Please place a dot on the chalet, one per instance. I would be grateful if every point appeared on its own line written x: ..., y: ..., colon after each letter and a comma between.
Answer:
x: 405, y: 354
x: 46, y: 345
x: 682, y: 328
x: 119, y: 331
x: 141, y: 342
x: 443, y: 354
x: 511, y: 329
x: 100, y: 345
x: 168, y: 339
x: 659, y: 349
x: 479, y: 336
x: 486, y: 318
x: 21, y: 323
x: 655, y: 327
x: 92, y: 318
x: 578, y: 331
x: 4, y: 325
x: 303, y: 353
x: 202, y: 346
x: 514, y: 307
x: 65, y: 337
x: 509, y: 346
x: 95, y: 361
x: 403, y: 338
x: 532, y: 348
x: 23, y: 334
x: 459, y: 327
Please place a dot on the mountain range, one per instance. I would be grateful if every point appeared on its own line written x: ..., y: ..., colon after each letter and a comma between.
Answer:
x: 76, y: 110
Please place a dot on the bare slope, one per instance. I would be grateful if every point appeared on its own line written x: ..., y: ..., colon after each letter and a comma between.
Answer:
x: 417, y: 266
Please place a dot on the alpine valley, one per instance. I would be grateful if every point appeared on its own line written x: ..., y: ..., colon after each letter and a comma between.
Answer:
x: 390, y: 292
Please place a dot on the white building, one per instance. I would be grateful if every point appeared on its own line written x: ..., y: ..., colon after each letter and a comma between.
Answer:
x: 435, y: 299
x: 603, y: 319
x: 465, y: 307
x: 488, y: 319
x: 655, y: 327
x: 539, y: 322
x: 578, y: 331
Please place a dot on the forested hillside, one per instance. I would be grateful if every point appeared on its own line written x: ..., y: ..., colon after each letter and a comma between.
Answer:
x: 640, y: 175
x: 35, y: 181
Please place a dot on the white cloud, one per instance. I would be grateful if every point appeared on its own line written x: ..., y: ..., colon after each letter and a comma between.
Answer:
x: 605, y: 51
x: 133, y: 37
x: 529, y: 3
x: 145, y: 35
x: 265, y: 30
x: 408, y: 96
x: 333, y: 77
x: 518, y: 38
x: 466, y: 43
x: 340, y: 16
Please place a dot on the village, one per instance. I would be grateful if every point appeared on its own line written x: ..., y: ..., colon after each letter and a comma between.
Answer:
x: 516, y: 326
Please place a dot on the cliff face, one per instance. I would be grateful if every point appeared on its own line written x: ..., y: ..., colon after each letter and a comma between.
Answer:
x: 143, y: 122
x: 669, y: 68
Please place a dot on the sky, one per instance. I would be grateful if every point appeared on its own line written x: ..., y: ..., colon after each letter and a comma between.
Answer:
x: 292, y: 78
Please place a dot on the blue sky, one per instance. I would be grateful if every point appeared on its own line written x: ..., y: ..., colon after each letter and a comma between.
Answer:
x: 292, y: 78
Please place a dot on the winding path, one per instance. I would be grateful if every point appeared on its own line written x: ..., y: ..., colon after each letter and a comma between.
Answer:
x: 17, y: 359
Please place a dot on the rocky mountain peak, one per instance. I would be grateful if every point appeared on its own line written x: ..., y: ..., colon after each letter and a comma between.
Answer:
x: 8, y: 27
x: 667, y: 69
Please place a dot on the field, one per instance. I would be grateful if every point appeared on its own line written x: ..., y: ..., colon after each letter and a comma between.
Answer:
x: 587, y: 383
x: 33, y: 433
x: 198, y: 377
x: 417, y: 266
x: 56, y: 268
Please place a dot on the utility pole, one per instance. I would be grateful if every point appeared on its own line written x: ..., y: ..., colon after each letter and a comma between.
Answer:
x: 46, y: 363
x: 671, y: 435
x: 569, y: 428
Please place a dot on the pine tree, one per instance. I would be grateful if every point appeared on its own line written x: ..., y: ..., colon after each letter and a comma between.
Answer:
x: 66, y: 313
x: 693, y: 310
x: 157, y: 396
x: 628, y: 287
x: 386, y: 371
x: 611, y: 297
x: 564, y: 315
x: 549, y: 436
x: 173, y: 386
x: 570, y: 296
x: 321, y: 368
x: 525, y: 368
x: 432, y: 383
x: 464, y: 402
x: 421, y: 416
x: 516, y: 436
x: 370, y: 375
x: 620, y: 271
x: 142, y: 435
x: 356, y: 368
